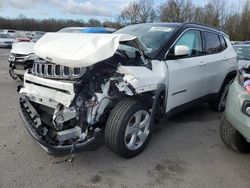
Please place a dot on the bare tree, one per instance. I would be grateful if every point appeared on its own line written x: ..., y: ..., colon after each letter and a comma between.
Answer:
x: 146, y: 11
x: 199, y: 15
x: 245, y: 22
x: 130, y: 14
x: 176, y: 11
x: 94, y: 22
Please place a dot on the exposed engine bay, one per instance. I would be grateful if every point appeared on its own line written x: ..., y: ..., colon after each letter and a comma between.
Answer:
x: 66, y: 105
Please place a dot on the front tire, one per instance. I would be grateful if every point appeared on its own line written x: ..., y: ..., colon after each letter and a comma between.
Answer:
x: 128, y: 129
x: 232, y: 138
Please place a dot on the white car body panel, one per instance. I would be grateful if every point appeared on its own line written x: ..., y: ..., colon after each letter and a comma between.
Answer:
x: 144, y: 79
x: 43, y: 94
x: 24, y: 48
x: 79, y: 49
x: 217, y: 67
x: 186, y: 81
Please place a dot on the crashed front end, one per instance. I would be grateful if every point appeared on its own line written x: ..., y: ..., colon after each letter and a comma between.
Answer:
x: 52, y: 118
x: 66, y: 107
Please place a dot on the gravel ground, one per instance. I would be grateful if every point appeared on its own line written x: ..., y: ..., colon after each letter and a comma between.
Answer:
x: 185, y: 151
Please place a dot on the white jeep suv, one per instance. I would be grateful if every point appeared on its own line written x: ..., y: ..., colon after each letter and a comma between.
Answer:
x: 85, y: 84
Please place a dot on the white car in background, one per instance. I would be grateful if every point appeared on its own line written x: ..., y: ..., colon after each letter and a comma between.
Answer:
x: 243, y: 52
x: 6, y: 40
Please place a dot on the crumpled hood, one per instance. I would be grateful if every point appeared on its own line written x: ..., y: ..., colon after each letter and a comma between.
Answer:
x: 78, y: 49
x: 24, y: 48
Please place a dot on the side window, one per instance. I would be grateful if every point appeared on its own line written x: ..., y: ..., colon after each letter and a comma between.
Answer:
x: 223, y: 43
x: 193, y: 40
x: 212, y: 43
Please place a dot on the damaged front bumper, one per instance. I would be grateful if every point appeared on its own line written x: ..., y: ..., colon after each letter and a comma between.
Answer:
x: 51, y: 94
x: 32, y: 119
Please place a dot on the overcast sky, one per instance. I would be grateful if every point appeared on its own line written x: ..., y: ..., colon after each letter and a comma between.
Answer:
x: 71, y: 9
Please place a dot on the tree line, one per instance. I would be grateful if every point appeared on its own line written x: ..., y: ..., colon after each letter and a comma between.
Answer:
x: 232, y: 19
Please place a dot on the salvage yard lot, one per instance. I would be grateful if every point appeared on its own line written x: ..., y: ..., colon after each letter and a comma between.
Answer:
x: 185, y: 151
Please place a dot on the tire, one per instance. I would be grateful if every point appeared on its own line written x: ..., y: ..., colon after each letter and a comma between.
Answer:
x: 12, y: 75
x: 20, y: 77
x: 232, y: 138
x: 123, y: 133
x: 219, y: 104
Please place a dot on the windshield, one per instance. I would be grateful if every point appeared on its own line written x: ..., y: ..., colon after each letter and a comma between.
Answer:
x: 243, y: 52
x: 5, y: 36
x: 153, y: 37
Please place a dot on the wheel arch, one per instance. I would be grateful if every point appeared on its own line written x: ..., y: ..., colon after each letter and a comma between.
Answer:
x: 231, y: 75
x: 155, y: 99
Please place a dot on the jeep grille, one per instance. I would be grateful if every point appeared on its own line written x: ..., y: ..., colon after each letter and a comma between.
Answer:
x: 46, y: 69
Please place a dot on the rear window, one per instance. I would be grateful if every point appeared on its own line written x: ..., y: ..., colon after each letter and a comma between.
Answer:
x: 223, y: 43
x: 212, y: 43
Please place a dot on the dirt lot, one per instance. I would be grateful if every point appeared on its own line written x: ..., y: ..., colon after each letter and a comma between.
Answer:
x: 185, y: 151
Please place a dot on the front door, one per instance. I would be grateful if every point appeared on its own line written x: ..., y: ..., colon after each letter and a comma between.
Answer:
x: 186, y: 74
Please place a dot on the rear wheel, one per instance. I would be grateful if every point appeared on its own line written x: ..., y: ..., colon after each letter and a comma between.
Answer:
x: 232, y: 138
x: 128, y: 128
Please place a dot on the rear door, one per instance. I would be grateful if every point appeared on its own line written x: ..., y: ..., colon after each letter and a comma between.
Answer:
x: 186, y: 74
x: 217, y: 61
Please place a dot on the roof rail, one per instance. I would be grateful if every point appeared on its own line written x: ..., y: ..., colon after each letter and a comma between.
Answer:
x: 206, y: 25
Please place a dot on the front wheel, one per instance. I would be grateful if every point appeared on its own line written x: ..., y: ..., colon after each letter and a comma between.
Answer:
x: 128, y: 129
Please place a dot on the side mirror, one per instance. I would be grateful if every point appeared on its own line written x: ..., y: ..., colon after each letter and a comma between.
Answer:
x: 181, y: 50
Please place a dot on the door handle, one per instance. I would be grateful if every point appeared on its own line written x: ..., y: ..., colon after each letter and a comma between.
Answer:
x: 202, y: 63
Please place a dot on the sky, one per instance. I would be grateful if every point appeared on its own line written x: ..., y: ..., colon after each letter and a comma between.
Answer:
x: 71, y: 9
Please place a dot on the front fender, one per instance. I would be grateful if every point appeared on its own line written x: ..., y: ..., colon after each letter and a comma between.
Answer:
x: 143, y: 79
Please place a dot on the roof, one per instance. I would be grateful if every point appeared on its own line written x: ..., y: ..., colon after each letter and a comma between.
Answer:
x: 187, y: 25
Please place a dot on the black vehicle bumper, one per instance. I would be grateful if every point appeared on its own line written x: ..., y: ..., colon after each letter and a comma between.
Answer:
x: 88, y: 145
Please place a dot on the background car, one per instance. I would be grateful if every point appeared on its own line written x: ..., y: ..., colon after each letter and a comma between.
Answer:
x: 235, y: 124
x: 6, y: 40
x: 243, y: 53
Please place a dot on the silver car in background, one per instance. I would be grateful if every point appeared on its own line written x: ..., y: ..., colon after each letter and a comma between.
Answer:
x: 6, y: 40
x: 243, y: 52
